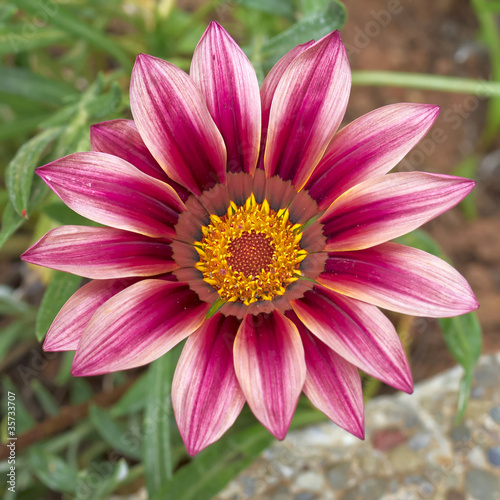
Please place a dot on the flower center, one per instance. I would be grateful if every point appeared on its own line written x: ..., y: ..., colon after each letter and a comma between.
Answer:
x: 251, y: 253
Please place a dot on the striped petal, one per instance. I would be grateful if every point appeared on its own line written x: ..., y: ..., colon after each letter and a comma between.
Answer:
x: 332, y: 384
x: 228, y: 81
x: 268, y: 89
x: 270, y: 366
x: 113, y: 192
x: 401, y: 279
x: 121, y: 138
x: 384, y: 208
x: 307, y: 108
x: 369, y: 147
x: 206, y: 396
x: 358, y: 332
x: 137, y: 326
x: 101, y: 253
x: 66, y: 330
x: 172, y: 117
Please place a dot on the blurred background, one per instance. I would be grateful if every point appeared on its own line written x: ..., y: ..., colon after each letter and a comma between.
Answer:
x: 66, y: 64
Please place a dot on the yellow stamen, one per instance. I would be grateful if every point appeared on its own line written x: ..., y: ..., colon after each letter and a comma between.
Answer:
x: 251, y: 253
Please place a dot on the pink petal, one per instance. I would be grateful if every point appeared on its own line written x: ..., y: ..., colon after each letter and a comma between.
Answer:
x: 137, y: 326
x: 269, y: 86
x: 206, y: 396
x: 369, y: 147
x: 307, y: 109
x: 67, y: 328
x: 332, y: 384
x: 121, y: 138
x: 358, y: 332
x: 229, y: 83
x: 172, y: 117
x: 101, y: 253
x: 113, y: 192
x: 270, y: 366
x: 384, y: 208
x: 401, y: 279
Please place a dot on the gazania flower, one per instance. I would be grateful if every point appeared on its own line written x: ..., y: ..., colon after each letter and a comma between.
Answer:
x: 240, y: 220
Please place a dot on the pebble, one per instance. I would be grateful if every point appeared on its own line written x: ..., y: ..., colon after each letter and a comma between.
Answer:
x: 482, y: 485
x: 495, y: 414
x: 310, y: 481
x: 373, y: 489
x: 338, y: 476
x: 494, y: 456
x: 419, y: 441
x: 305, y: 496
x: 460, y: 433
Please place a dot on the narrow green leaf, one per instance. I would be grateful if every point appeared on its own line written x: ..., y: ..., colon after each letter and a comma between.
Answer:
x: 60, y: 289
x: 63, y: 19
x: 45, y: 398
x: 462, y: 334
x: 314, y: 26
x: 157, y: 459
x: 275, y: 7
x: 215, y: 307
x: 52, y: 471
x: 20, y: 126
x: 14, y: 40
x: 11, y: 305
x: 134, y: 399
x: 24, y: 419
x: 80, y: 391
x: 20, y: 171
x: 119, y: 439
x: 11, y: 222
x: 9, y: 334
x: 111, y: 476
x: 23, y: 82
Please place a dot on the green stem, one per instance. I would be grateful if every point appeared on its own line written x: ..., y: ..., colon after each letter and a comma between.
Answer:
x: 479, y: 88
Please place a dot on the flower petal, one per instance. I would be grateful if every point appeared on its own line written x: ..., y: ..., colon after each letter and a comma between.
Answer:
x: 270, y: 366
x: 121, y: 138
x: 113, y: 192
x: 307, y: 109
x: 101, y: 253
x: 369, y: 147
x: 358, y: 332
x: 384, y: 208
x: 67, y: 328
x: 206, y: 396
x: 172, y: 117
x: 229, y: 83
x: 332, y: 384
x: 401, y: 279
x: 268, y: 89
x: 137, y: 326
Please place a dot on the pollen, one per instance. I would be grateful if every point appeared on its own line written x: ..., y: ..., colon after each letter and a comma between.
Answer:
x: 251, y: 253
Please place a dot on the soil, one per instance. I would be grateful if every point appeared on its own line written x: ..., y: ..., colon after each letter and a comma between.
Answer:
x: 438, y: 37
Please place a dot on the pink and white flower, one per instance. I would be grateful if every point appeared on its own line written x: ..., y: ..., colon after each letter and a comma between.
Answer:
x: 241, y: 219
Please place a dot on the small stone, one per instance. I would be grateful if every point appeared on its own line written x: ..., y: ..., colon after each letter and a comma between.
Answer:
x: 487, y: 375
x: 338, y: 476
x: 477, y: 392
x: 494, y: 456
x: 419, y: 441
x: 482, y: 485
x: 405, y: 460
x: 386, y: 439
x: 311, y: 481
x: 476, y: 457
x: 281, y: 493
x: 305, y: 496
x: 454, y: 495
x: 373, y: 488
x: 248, y: 484
x: 495, y: 414
x: 460, y: 433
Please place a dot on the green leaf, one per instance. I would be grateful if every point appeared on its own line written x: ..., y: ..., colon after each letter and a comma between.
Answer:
x: 11, y: 305
x: 468, y: 168
x: 63, y: 19
x: 462, y: 334
x: 157, y: 458
x: 275, y: 7
x: 45, y: 398
x: 24, y: 419
x: 14, y: 40
x: 81, y: 391
x: 20, y: 126
x: 9, y: 334
x: 120, y: 440
x: 20, y: 171
x: 313, y: 26
x: 11, y: 222
x: 111, y: 476
x: 134, y: 399
x: 52, y: 471
x: 215, y: 307
x: 60, y: 289
x: 23, y: 82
